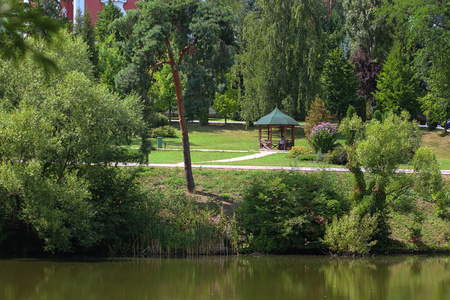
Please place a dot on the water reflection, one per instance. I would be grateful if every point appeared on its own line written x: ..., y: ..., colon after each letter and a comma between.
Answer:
x: 244, y: 277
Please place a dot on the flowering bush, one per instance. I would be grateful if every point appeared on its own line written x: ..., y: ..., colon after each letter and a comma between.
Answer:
x: 323, y: 137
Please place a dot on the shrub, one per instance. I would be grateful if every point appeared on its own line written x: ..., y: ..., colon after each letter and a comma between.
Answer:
x: 337, y: 157
x: 350, y: 111
x: 351, y: 234
x: 404, y: 203
x: 352, y: 128
x: 284, y: 212
x: 163, y: 131
x: 296, y: 151
x: 323, y: 137
x: 377, y: 115
x: 158, y: 120
x: 317, y: 114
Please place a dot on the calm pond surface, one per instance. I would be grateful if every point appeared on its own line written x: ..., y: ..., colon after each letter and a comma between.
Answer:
x: 243, y: 277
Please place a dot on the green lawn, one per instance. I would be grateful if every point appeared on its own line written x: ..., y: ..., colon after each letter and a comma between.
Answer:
x: 175, y: 156
x: 243, y: 138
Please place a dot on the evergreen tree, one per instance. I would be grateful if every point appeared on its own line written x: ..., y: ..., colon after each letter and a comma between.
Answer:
x: 398, y: 88
x: 317, y: 114
x: 426, y: 24
x: 83, y: 27
x: 154, y: 34
x: 105, y: 17
x: 339, y: 84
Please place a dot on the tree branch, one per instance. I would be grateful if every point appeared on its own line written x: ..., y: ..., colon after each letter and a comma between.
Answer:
x: 183, y: 52
x: 156, y: 66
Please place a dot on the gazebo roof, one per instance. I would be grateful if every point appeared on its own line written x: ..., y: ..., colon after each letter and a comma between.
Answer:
x: 276, y: 117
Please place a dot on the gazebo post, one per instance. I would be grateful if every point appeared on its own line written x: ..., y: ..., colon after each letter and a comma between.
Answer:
x: 270, y: 133
x: 292, y: 136
x: 259, y: 147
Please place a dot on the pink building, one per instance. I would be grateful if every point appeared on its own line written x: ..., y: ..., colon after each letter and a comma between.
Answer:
x: 70, y: 7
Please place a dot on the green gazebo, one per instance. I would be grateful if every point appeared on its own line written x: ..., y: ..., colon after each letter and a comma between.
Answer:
x: 276, y: 119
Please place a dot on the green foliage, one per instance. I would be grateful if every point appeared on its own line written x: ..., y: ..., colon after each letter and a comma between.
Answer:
x: 339, y: 83
x: 164, y: 90
x: 21, y: 20
x: 50, y: 123
x: 442, y: 204
x: 404, y: 203
x: 296, y: 151
x: 350, y: 111
x: 184, y: 228
x: 285, y: 212
x: 281, y: 57
x: 317, y: 114
x: 227, y: 104
x: 110, y: 62
x: 351, y: 234
x: 377, y: 115
x: 163, y: 131
x: 366, y: 29
x: 158, y: 120
x: 83, y: 27
x: 397, y: 86
x: 428, y: 178
x: 388, y: 144
x: 337, y: 157
x: 122, y: 210
x: 353, y: 129
x: 210, y: 57
x: 106, y: 16
x: 323, y: 137
x: 425, y: 23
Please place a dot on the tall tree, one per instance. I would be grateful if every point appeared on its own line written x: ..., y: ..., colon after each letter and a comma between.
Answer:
x: 339, y: 84
x: 281, y: 57
x: 366, y: 29
x: 367, y: 71
x: 106, y: 16
x: 426, y: 24
x: 49, y: 123
x: 397, y: 86
x: 164, y: 32
x: 83, y: 27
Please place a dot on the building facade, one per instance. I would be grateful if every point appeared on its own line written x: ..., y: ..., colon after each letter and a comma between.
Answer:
x: 70, y: 8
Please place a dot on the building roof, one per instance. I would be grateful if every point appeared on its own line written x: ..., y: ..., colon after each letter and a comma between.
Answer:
x: 276, y: 117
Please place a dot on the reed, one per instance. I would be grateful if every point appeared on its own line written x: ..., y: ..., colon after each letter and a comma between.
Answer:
x: 184, y: 228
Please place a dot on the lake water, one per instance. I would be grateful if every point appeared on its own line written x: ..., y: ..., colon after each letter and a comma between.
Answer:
x: 243, y: 277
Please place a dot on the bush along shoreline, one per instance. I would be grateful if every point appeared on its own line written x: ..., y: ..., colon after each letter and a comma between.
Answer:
x: 145, y: 212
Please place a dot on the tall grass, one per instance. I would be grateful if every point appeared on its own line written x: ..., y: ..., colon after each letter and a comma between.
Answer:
x: 182, y: 227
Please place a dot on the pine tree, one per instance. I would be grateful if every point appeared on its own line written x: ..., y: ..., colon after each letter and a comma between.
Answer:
x: 106, y: 16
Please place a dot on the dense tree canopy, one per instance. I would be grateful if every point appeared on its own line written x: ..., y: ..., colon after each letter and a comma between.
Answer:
x: 398, y: 86
x: 339, y: 84
x: 281, y: 57
x: 425, y: 23
x: 194, y: 37
x: 50, y: 124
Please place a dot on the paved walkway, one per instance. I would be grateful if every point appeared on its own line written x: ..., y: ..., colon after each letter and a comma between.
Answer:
x: 247, y: 157
x: 205, y: 165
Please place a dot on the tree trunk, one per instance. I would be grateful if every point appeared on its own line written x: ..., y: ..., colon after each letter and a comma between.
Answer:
x: 183, y: 126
